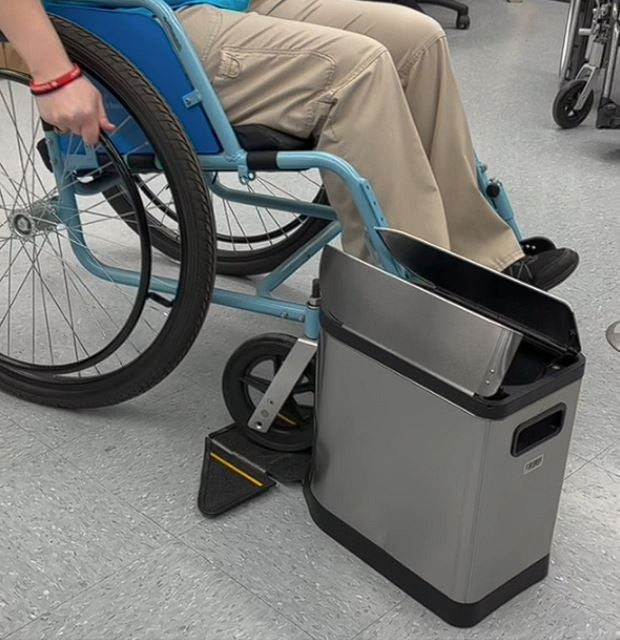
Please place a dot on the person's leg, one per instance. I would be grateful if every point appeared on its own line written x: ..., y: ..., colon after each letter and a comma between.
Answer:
x: 342, y: 89
x: 418, y: 47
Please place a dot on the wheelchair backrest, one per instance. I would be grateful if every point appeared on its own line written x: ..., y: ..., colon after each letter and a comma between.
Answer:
x: 140, y: 38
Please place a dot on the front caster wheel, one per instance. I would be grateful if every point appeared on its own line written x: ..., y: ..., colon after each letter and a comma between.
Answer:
x: 463, y: 22
x: 247, y: 377
x: 564, y: 112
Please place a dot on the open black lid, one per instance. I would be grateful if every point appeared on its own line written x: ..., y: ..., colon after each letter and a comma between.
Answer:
x: 536, y: 314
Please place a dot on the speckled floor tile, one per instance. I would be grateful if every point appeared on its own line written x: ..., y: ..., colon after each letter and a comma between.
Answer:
x: 56, y: 427
x: 153, y: 462
x: 595, y: 430
x: 15, y: 441
x: 610, y: 460
x: 171, y: 594
x: 586, y: 553
x: 278, y: 553
x: 59, y: 534
x: 574, y: 464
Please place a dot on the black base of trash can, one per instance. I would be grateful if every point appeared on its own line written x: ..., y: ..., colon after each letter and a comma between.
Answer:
x: 458, y: 614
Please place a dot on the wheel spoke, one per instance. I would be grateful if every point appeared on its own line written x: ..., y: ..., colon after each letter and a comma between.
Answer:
x: 94, y: 297
x: 232, y: 237
x: 266, y: 182
x: 10, y: 291
x: 108, y: 277
x: 304, y: 387
x: 291, y: 411
x: 303, y: 174
x: 12, y: 259
x: 277, y: 361
x: 33, y: 294
x: 13, y: 183
x: 70, y: 324
x: 252, y: 190
x: 256, y: 382
x: 64, y: 275
x: 22, y: 147
x: 227, y: 204
x: 12, y: 299
x: 45, y: 313
x: 14, y: 121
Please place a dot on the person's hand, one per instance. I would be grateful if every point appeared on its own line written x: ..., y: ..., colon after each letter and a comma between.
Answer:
x: 78, y: 109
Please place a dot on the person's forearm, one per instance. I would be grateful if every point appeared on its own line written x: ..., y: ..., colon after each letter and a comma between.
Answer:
x: 27, y: 27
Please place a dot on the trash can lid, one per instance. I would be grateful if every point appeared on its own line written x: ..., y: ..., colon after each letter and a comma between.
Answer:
x: 541, y: 317
x: 376, y: 312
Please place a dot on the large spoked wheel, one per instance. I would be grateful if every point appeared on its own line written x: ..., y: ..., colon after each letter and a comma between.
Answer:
x: 251, y: 240
x: 90, y: 316
x: 247, y: 377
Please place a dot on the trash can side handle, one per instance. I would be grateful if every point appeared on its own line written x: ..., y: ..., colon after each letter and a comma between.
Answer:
x: 537, y: 430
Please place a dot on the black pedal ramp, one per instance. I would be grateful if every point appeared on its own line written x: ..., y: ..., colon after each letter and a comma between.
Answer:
x: 228, y: 480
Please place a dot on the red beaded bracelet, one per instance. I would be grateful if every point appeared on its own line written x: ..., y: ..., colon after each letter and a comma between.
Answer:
x: 40, y: 89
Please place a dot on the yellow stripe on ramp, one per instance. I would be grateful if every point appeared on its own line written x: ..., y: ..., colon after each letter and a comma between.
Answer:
x: 236, y: 470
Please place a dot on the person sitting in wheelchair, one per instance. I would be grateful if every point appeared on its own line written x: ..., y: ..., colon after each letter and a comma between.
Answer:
x: 369, y: 82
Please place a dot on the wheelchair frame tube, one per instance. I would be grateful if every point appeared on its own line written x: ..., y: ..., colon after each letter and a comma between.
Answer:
x: 363, y: 196
x: 569, y: 36
x: 280, y: 275
x: 501, y: 202
x: 270, y: 202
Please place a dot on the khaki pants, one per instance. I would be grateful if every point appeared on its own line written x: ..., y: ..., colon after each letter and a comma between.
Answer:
x: 373, y: 84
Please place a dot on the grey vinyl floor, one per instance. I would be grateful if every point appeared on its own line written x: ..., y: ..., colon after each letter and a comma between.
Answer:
x: 100, y: 538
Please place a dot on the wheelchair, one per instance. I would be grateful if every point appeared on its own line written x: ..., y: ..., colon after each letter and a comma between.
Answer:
x: 589, y: 52
x: 109, y: 254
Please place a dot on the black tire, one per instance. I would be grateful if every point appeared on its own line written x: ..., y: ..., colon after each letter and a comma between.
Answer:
x: 463, y: 22
x: 247, y: 262
x: 182, y: 321
x: 294, y: 429
x: 564, y: 112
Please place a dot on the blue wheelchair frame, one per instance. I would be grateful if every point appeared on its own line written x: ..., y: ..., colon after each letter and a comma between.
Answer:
x: 179, y: 76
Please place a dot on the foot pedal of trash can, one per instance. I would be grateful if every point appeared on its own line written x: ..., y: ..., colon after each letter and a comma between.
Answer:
x: 236, y: 469
x: 228, y: 480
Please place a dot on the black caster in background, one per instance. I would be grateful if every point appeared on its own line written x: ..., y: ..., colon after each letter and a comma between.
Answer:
x: 608, y: 116
x: 463, y: 22
x: 564, y: 112
x: 613, y: 335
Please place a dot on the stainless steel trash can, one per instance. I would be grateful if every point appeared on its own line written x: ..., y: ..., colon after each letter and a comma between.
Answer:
x: 444, y: 414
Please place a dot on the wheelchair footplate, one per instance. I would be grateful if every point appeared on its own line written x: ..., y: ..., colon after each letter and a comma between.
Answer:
x: 236, y: 470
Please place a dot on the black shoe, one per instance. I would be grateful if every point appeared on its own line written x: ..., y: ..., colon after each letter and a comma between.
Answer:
x: 544, y: 270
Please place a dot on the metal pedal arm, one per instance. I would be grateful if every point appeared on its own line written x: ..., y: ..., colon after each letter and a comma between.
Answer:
x: 283, y: 384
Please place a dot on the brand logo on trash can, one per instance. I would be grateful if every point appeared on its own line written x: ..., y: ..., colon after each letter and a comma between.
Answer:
x: 534, y: 464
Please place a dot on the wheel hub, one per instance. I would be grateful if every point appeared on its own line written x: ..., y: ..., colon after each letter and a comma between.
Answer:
x: 40, y: 217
